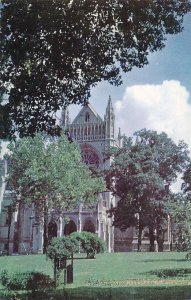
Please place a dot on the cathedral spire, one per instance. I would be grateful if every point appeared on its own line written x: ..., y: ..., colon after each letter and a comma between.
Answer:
x: 109, y: 109
x: 109, y: 120
x: 109, y: 104
x: 119, y: 133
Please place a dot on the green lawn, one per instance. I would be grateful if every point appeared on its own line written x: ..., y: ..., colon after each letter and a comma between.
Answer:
x: 121, y: 267
x: 115, y: 275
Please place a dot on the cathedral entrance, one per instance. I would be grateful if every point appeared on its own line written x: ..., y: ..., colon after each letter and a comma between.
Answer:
x: 69, y: 228
x: 52, y: 230
x: 89, y: 226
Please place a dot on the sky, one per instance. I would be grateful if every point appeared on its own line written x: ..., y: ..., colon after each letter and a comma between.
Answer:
x: 158, y: 96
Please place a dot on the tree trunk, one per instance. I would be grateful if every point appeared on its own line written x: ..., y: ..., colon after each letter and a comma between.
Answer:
x: 139, y: 239
x: 152, y: 239
x: 160, y: 240
x: 45, y: 233
x: 9, y: 231
x: 10, y: 215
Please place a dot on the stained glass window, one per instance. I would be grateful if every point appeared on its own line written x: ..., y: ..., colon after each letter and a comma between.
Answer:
x: 89, y: 156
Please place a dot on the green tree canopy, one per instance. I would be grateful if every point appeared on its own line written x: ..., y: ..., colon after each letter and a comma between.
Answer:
x: 62, y: 248
x: 186, y: 186
x: 50, y: 174
x: 142, y: 172
x: 52, y: 52
x: 179, y: 210
x: 89, y: 242
x: 59, y: 250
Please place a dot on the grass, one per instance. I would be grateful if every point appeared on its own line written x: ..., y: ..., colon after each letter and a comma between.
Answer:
x: 113, y: 276
x: 129, y: 267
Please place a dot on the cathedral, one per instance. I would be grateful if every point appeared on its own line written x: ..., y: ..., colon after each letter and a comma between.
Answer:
x: 20, y: 233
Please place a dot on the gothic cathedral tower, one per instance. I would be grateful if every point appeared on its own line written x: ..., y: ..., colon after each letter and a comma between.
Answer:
x: 94, y: 136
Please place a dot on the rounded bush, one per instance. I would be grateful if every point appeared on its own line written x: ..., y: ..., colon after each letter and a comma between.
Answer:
x: 61, y: 247
x: 25, y: 281
x: 89, y: 242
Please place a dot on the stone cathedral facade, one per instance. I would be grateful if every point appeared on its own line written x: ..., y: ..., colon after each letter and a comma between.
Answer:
x: 94, y: 137
x: 22, y: 234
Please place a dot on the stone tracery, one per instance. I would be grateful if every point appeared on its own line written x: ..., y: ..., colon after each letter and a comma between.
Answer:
x: 90, y: 156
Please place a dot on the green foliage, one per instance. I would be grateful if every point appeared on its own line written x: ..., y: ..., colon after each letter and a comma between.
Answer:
x: 188, y: 256
x: 5, y: 121
x: 141, y: 175
x: 53, y: 52
x: 187, y: 181
x: 89, y: 242
x: 179, y: 210
x: 50, y: 174
x: 61, y: 248
x: 25, y: 281
x: 59, y: 251
x: 4, y: 277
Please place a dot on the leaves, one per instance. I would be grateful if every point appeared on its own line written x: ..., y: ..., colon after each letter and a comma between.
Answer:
x: 53, y: 52
x: 179, y: 210
x: 49, y: 172
x: 187, y: 180
x: 89, y: 242
x: 62, y: 248
x: 141, y: 174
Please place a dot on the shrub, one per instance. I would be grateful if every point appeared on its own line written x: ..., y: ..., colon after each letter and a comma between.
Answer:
x: 25, y: 281
x: 61, y: 248
x: 182, y: 243
x: 172, y: 272
x: 89, y: 242
x: 188, y: 256
x: 4, y: 277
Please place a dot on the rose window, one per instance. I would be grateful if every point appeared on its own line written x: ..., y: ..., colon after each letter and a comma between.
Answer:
x: 89, y: 156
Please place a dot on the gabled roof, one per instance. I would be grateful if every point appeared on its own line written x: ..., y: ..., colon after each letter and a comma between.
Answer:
x: 82, y: 115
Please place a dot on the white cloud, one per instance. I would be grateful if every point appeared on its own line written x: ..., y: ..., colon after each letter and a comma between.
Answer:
x: 162, y: 107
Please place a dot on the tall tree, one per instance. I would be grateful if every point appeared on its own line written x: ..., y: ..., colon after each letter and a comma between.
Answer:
x: 52, y: 52
x: 51, y: 175
x: 142, y: 172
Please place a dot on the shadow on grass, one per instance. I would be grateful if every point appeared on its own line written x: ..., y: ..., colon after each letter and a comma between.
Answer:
x: 167, y: 273
x: 98, y: 293
x: 162, y: 259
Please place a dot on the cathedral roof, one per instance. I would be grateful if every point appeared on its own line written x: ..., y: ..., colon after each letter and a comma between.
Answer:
x: 87, y: 114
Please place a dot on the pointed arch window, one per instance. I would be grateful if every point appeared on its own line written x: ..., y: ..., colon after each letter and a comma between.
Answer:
x: 87, y: 117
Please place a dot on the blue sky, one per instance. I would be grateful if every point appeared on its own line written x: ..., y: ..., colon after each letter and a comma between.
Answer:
x: 157, y: 96
x: 171, y: 63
